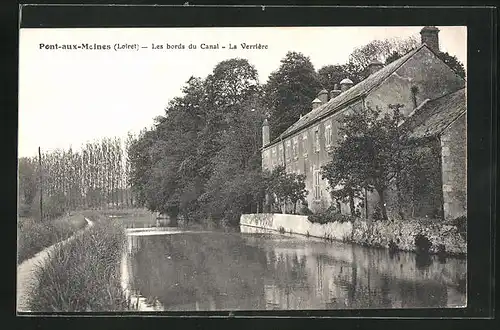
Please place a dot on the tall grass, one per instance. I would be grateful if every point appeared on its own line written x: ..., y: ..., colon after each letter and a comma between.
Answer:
x: 34, y: 236
x: 84, y: 274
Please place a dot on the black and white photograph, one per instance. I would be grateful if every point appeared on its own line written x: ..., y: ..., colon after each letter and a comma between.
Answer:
x: 242, y: 169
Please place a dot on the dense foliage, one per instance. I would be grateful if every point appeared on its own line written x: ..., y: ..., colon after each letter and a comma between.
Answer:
x: 202, y: 159
x: 331, y: 214
x: 372, y: 152
x: 289, y: 92
x: 285, y: 189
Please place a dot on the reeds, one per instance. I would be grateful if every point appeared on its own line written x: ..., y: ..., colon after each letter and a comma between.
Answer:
x: 84, y: 274
x: 34, y: 236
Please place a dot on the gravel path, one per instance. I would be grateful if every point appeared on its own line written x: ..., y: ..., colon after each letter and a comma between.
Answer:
x: 26, y: 278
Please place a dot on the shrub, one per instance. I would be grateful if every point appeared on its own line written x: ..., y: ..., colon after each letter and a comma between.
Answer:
x: 330, y: 215
x: 461, y: 224
x: 392, y: 246
x: 84, y: 274
x: 422, y: 244
x: 305, y: 210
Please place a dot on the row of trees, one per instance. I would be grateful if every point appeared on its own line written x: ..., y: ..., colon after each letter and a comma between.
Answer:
x: 93, y: 177
x: 202, y: 160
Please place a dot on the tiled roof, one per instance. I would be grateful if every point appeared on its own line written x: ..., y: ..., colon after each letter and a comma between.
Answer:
x: 435, y: 115
x: 349, y: 95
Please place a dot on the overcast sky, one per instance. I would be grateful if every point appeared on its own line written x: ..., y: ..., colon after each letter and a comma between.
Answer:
x: 70, y: 97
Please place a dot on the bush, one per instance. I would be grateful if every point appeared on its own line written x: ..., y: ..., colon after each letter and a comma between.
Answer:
x: 422, y: 244
x: 84, y: 274
x: 330, y: 215
x: 461, y: 224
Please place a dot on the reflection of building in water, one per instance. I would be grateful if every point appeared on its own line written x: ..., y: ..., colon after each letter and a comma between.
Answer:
x: 341, y: 276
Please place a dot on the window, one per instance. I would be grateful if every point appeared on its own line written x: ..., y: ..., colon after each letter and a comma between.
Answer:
x: 295, y: 147
x: 328, y: 135
x: 316, y: 186
x: 266, y: 159
x: 304, y: 144
x: 273, y: 157
x: 316, y: 139
x: 287, y: 151
x: 280, y: 154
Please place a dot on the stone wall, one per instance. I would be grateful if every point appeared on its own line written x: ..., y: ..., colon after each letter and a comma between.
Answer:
x: 375, y: 234
x: 454, y: 169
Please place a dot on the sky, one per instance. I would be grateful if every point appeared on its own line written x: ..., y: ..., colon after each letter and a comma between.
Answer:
x: 69, y: 97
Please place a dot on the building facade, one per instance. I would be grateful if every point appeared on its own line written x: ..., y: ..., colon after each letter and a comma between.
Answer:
x: 422, y: 83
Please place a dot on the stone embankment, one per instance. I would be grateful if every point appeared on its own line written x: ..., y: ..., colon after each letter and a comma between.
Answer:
x: 399, y: 235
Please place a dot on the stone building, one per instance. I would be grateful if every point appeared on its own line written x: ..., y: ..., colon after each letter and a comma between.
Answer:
x: 432, y: 95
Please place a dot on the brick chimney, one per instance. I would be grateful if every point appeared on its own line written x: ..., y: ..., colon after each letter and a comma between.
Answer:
x: 265, y: 133
x: 335, y: 92
x: 345, y: 84
x: 316, y: 103
x: 374, y: 66
x: 429, y: 36
x: 323, y: 96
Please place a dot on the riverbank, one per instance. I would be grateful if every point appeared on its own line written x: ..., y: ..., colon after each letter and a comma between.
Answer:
x: 83, y: 274
x: 411, y: 235
x: 33, y: 236
x: 27, y: 278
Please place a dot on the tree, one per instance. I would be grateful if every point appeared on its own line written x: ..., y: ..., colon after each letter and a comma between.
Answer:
x: 342, y: 175
x: 286, y: 188
x: 453, y: 63
x: 371, y: 154
x: 332, y: 74
x: 235, y: 184
x: 380, y: 50
x: 27, y: 180
x: 289, y: 91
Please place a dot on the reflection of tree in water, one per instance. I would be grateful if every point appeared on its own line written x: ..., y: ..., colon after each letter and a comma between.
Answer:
x: 423, y: 261
x: 210, y: 270
x: 428, y: 294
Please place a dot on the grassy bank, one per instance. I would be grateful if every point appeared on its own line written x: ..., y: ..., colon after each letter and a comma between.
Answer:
x: 34, y: 236
x: 83, y: 275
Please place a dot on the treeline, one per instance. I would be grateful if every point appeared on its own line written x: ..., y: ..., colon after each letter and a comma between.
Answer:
x: 93, y: 177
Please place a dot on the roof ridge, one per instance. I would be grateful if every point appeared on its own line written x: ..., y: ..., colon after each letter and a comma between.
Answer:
x: 382, y: 74
x: 449, y: 93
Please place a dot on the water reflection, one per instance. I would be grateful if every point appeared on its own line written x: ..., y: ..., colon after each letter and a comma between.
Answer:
x: 258, y: 271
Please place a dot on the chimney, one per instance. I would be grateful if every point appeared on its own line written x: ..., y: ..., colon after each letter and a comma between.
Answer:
x: 374, y: 66
x: 335, y: 92
x: 429, y: 36
x: 323, y: 96
x: 316, y: 103
x: 345, y: 84
x: 265, y: 133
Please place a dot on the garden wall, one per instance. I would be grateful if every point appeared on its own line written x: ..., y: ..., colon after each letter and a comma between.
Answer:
x: 376, y: 234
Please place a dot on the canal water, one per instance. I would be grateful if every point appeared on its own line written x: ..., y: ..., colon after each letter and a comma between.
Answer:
x: 178, y: 270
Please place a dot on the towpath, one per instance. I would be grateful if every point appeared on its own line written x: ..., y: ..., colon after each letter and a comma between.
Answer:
x: 26, y: 278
